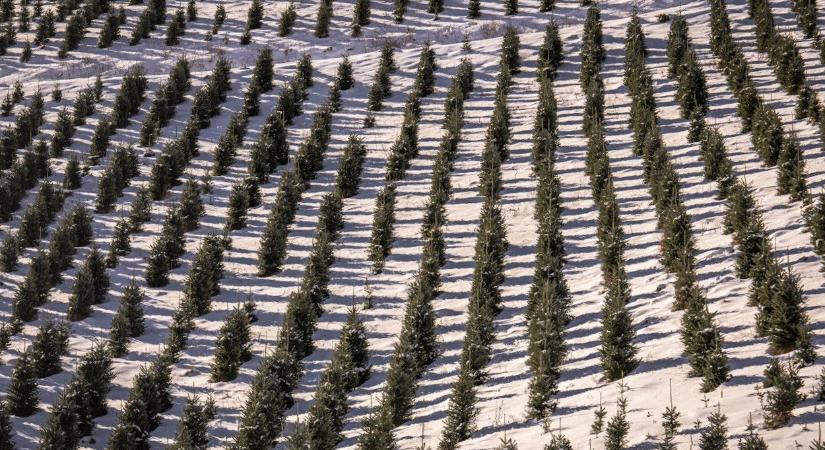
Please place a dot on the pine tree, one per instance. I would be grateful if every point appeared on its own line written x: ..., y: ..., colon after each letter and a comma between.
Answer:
x: 50, y: 343
x: 779, y: 402
x: 360, y: 16
x: 128, y: 321
x: 263, y: 71
x: 21, y: 397
x: 382, y: 228
x: 752, y: 441
x: 791, y: 173
x: 192, y: 431
x: 781, y: 317
x: 820, y: 389
x: 73, y: 178
x: 90, y: 288
x: 509, y: 51
x: 26, y: 53
x: 506, y: 443
x: 191, y: 11
x: 671, y: 424
x: 323, y: 19
x: 148, y: 397
x: 233, y: 346
x: 64, y: 130
x: 592, y: 51
x: 23, y: 17
x: 715, y: 436
x: 767, y: 134
x: 350, y: 167
x: 461, y: 412
x: 618, y: 427
x: 6, y: 431
x: 175, y: 28
x: 678, y: 45
x: 238, y: 206
x: 474, y: 9
x: 288, y: 17
x: 219, y: 18
x: 9, y: 253
x: 551, y: 51
x: 510, y: 7
x: 255, y: 15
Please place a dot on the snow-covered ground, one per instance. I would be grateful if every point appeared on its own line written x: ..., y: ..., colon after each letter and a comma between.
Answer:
x: 503, y: 397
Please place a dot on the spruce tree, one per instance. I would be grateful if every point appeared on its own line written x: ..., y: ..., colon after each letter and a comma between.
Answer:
x: 618, y: 427
x: 288, y: 18
x: 64, y: 130
x: 120, y: 244
x: 350, y: 167
x: 50, y: 343
x: 191, y: 11
x: 779, y: 402
x: 323, y: 19
x: 9, y: 253
x: 6, y: 431
x: 551, y: 52
x: 73, y: 178
x: 715, y: 436
x: 360, y: 16
x: 233, y: 346
x: 238, y: 206
x: 671, y: 424
x: 510, y: 7
x: 191, y: 205
x: 474, y: 9
x: 461, y: 412
x: 382, y: 228
x: 509, y: 51
x: 752, y: 441
x: 255, y: 15
x: 192, y: 431
x: 21, y: 397
x: 343, y: 77
x: 26, y: 53
x: 791, y: 173
x: 90, y: 288
x: 128, y: 321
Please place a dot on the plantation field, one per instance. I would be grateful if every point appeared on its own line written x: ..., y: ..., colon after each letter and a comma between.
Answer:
x: 551, y: 225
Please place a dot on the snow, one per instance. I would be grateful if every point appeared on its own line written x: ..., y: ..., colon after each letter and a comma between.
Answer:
x: 502, y: 398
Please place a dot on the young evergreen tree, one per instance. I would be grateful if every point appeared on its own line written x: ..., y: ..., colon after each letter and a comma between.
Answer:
x: 350, y: 167
x: 474, y: 9
x: 233, y: 347
x: 128, y: 321
x: 72, y: 178
x: 779, y: 402
x: 50, y: 343
x: 715, y: 436
x: 255, y: 15
x: 510, y: 7
x: 288, y: 18
x: 360, y: 17
x: 791, y: 174
x: 6, y: 431
x: 752, y: 441
x: 192, y: 432
x: 90, y: 288
x: 618, y: 427
x: 509, y: 51
x: 323, y: 19
x: 22, y: 398
x: 382, y: 228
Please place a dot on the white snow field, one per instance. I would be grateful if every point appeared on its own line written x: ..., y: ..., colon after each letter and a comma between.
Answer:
x: 503, y: 397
